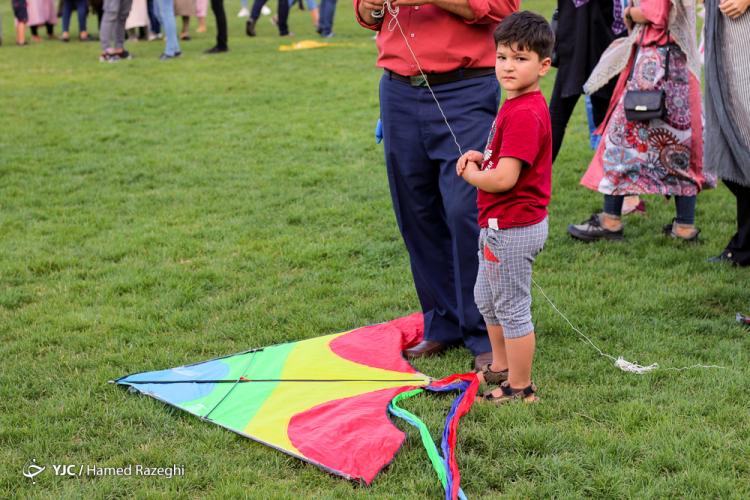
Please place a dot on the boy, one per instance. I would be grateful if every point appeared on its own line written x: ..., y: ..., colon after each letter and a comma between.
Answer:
x: 20, y: 12
x: 513, y: 179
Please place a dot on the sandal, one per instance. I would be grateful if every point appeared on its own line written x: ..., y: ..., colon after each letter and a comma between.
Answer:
x: 525, y: 395
x: 492, y: 377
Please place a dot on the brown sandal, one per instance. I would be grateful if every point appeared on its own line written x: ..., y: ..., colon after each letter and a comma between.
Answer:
x: 492, y: 377
x: 525, y: 395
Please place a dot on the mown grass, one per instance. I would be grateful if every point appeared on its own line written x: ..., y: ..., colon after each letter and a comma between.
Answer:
x: 155, y: 214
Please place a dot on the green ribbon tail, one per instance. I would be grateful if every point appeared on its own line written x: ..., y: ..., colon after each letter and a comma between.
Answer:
x: 429, y: 444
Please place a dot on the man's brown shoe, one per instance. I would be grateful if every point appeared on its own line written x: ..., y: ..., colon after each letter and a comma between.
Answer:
x: 425, y: 348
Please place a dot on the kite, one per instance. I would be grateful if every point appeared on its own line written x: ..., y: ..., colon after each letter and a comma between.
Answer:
x: 323, y: 400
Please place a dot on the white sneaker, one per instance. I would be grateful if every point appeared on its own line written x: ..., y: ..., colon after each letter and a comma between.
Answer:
x: 265, y: 10
x: 243, y: 12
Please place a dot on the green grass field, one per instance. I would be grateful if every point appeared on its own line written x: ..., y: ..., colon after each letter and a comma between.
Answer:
x: 157, y: 214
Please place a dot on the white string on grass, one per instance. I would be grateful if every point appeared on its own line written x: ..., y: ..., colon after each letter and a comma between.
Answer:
x: 619, y: 362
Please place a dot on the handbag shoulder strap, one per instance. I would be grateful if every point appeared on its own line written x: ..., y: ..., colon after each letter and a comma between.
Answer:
x: 638, y: 48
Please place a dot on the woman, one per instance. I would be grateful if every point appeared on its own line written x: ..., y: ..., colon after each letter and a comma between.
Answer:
x: 659, y: 156
x: 184, y: 9
x: 42, y: 13
x: 727, y: 150
x: 82, y: 9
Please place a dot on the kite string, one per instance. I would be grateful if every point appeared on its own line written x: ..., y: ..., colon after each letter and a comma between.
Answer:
x: 392, y: 24
x: 619, y: 362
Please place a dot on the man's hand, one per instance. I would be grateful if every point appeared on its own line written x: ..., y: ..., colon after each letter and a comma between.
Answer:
x: 367, y: 7
x: 734, y: 8
x: 469, y: 161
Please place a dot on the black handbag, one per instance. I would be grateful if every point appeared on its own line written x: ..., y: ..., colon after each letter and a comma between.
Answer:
x: 644, y: 105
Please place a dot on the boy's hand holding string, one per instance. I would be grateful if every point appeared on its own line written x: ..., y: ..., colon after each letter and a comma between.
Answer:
x: 497, y: 180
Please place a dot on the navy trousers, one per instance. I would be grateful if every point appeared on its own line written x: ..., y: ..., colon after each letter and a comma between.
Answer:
x: 435, y: 209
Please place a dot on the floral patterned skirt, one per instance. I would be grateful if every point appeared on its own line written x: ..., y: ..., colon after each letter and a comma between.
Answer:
x: 660, y: 156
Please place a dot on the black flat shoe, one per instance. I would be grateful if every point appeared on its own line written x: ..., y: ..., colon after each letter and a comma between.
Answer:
x: 723, y: 258
x: 250, y: 27
x: 217, y: 50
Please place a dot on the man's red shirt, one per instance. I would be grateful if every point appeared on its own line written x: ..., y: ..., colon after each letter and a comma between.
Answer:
x: 442, y: 41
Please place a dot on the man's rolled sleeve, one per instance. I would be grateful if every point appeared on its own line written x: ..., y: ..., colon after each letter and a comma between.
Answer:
x: 373, y: 27
x: 490, y: 11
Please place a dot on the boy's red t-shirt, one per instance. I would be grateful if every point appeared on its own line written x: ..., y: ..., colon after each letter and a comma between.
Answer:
x: 521, y: 130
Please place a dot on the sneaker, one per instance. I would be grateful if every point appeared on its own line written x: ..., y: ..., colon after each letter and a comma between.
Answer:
x: 327, y: 35
x: 108, y: 58
x: 152, y: 37
x: 124, y: 55
x: 243, y: 12
x: 266, y: 10
x: 592, y: 230
x: 167, y: 57
x: 288, y: 33
x: 250, y: 27
x: 216, y: 50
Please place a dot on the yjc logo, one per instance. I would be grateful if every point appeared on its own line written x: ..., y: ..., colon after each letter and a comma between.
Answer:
x: 32, y: 470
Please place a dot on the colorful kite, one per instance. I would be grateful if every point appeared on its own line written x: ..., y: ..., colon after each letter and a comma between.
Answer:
x: 323, y: 400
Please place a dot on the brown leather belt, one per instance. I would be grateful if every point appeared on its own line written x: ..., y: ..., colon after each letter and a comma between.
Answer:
x: 441, y: 78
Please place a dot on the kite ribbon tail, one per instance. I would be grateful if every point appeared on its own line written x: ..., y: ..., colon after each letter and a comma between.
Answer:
x: 429, y: 445
x: 468, y: 384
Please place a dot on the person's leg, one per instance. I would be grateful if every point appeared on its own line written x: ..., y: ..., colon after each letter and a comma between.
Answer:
x: 254, y: 16
x: 499, y: 351
x: 109, y: 19
x: 122, y: 17
x: 82, y: 8
x: 185, y: 33
x: 283, y: 14
x: 153, y: 18
x: 599, y: 106
x: 738, y: 249
x: 221, y: 23
x: 487, y: 274
x: 611, y: 218
x: 456, y: 197
x: 67, y: 11
x: 516, y: 249
x: 21, y: 13
x: 314, y: 13
x: 685, y: 209
x: 413, y: 179
x: 327, y: 12
x: 50, y: 30
x: 165, y: 13
x: 35, y: 34
x: 560, y: 110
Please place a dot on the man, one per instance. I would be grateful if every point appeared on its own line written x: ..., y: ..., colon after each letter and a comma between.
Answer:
x: 435, y: 210
x: 217, y: 7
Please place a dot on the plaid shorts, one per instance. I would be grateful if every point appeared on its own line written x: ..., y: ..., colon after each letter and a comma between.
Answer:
x: 503, y: 288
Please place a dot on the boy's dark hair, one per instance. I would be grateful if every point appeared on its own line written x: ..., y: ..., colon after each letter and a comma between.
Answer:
x: 528, y: 31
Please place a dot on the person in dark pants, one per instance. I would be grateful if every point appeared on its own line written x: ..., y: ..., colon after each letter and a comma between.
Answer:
x: 435, y: 209
x: 325, y: 24
x: 82, y: 9
x: 217, y: 7
x: 281, y: 18
x: 583, y: 33
x: 727, y: 98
